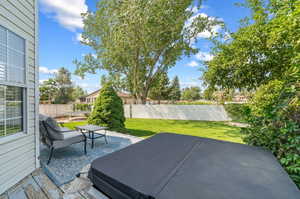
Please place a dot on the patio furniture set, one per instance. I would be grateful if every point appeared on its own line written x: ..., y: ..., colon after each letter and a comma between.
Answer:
x: 172, y: 166
x: 55, y: 137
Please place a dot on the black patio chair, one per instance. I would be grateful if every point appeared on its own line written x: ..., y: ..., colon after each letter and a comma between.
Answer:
x: 55, y: 137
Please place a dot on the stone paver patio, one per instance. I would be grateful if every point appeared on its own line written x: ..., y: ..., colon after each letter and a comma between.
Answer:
x: 39, y: 186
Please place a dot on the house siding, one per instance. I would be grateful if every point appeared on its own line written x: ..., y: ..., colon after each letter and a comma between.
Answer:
x: 19, y: 154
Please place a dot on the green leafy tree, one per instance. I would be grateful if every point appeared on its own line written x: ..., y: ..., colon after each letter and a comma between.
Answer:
x: 115, y: 80
x: 261, y: 51
x: 48, y: 90
x: 78, y: 92
x: 140, y: 39
x: 208, y: 93
x: 223, y: 95
x: 274, y: 123
x: 264, y: 55
x: 175, y: 93
x: 108, y: 109
x: 191, y: 94
x: 64, y: 85
x: 160, y: 90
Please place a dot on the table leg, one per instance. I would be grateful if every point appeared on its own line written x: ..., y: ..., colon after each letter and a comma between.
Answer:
x: 105, y: 137
x: 93, y: 139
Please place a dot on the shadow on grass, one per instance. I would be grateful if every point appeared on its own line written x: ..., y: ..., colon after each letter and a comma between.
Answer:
x: 140, y: 133
x: 233, y: 133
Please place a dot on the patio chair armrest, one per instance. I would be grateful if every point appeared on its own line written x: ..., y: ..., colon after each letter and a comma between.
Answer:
x: 61, y: 124
x: 66, y: 131
x: 61, y: 131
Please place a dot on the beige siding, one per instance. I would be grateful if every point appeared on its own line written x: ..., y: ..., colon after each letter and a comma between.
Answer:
x: 19, y: 154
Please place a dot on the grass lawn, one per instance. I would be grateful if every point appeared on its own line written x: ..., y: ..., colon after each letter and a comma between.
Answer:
x: 148, y: 127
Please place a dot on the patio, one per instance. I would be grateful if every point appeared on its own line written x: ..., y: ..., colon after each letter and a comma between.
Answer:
x: 68, y: 162
x: 39, y: 186
x: 58, y: 179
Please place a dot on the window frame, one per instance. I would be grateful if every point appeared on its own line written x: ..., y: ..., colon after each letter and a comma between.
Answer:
x: 24, y: 86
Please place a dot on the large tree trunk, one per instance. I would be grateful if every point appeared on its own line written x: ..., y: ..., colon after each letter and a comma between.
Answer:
x: 142, y: 98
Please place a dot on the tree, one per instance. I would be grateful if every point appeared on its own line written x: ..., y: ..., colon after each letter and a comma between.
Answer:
x: 274, y: 122
x: 78, y: 92
x: 60, y: 89
x: 160, y: 90
x: 140, y: 39
x: 108, y: 109
x: 259, y: 52
x: 48, y: 90
x: 115, y: 80
x: 208, y: 93
x: 264, y: 56
x: 221, y: 96
x: 191, y: 94
x: 65, y: 86
x: 175, y: 92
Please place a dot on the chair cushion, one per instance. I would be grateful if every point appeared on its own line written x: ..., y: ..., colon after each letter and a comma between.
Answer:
x: 53, y: 129
x: 69, y: 138
x: 64, y: 129
x: 43, y: 132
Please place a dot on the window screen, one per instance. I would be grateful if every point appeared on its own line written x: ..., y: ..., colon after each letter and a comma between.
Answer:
x: 11, y: 110
x: 12, y: 72
x: 12, y: 57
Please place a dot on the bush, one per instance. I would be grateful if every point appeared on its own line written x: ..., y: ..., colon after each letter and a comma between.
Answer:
x: 194, y: 103
x: 108, y: 110
x: 274, y: 120
x: 237, y: 112
x: 82, y: 107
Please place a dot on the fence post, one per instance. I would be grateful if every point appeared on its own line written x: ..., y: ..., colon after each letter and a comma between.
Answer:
x: 130, y: 110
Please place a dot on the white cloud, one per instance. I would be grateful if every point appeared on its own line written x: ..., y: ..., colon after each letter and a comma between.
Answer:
x: 209, y: 33
x: 45, y: 70
x: 205, y: 7
x: 193, y: 64
x: 89, y: 87
x: 95, y: 56
x: 186, y: 84
x: 204, y: 56
x: 206, y: 33
x: 84, y: 85
x: 79, y: 37
x: 65, y: 12
x: 193, y: 9
x: 42, y: 80
x: 78, y: 77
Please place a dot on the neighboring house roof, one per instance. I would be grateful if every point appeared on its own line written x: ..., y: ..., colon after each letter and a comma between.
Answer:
x: 96, y: 93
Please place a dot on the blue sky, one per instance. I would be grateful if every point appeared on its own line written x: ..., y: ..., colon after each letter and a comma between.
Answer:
x: 61, y: 24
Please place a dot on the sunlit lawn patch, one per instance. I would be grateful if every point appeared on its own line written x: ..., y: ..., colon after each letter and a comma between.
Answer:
x: 148, y: 127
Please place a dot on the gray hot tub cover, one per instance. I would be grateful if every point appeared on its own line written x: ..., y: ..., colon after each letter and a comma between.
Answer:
x: 171, y: 166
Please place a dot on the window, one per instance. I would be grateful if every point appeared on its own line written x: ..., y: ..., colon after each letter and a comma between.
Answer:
x: 12, y: 82
x: 11, y: 110
x: 12, y: 57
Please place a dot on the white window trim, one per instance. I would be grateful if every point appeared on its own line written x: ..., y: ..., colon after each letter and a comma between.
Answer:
x: 25, y: 97
x: 25, y: 119
x: 13, y: 137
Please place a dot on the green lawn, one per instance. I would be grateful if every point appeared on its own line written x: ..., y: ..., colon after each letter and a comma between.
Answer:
x: 149, y: 127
